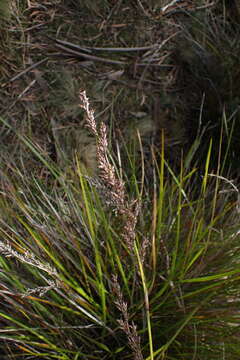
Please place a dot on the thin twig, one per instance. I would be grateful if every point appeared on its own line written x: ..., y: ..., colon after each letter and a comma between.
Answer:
x: 33, y: 66
x: 111, y: 49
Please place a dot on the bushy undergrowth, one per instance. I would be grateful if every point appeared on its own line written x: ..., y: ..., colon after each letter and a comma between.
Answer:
x: 116, y: 267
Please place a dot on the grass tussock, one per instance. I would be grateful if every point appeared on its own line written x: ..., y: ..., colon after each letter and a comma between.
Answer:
x: 106, y: 268
x: 119, y: 235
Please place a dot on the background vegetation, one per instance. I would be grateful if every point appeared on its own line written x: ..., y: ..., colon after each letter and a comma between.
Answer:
x: 119, y: 235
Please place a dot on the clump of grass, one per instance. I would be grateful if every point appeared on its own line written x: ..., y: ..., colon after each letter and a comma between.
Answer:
x: 94, y: 269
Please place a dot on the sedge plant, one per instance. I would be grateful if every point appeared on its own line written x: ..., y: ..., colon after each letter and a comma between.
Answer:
x: 95, y: 268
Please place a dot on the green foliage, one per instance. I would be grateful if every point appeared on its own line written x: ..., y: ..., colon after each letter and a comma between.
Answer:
x: 84, y: 278
x: 128, y: 251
